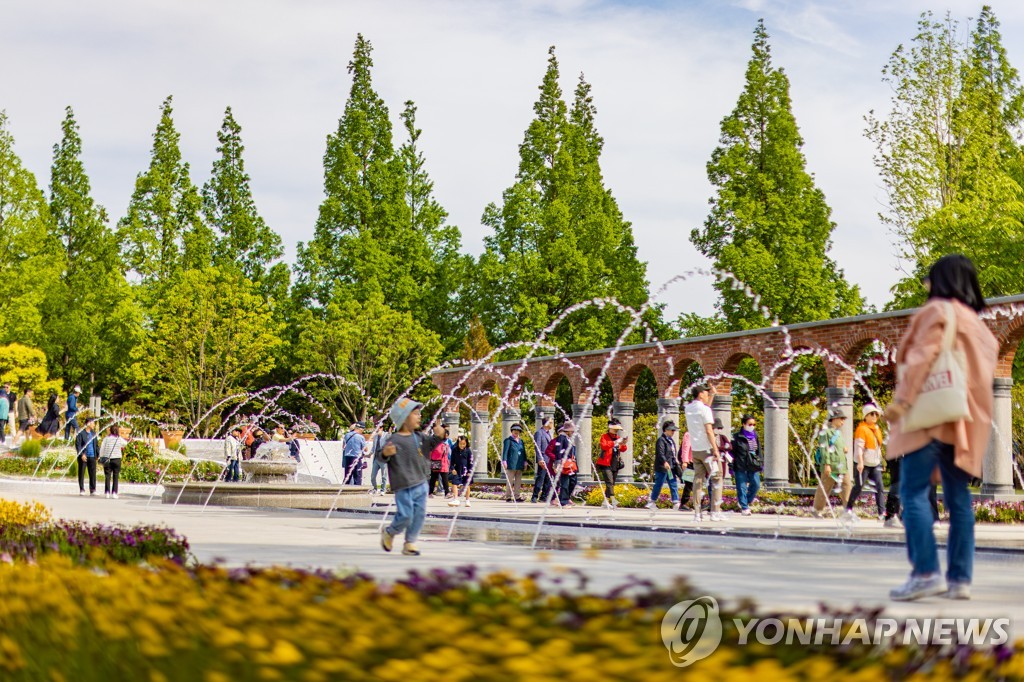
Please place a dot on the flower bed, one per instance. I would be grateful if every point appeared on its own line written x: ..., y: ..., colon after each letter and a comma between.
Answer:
x: 27, y: 533
x: 60, y: 464
x: 207, y: 623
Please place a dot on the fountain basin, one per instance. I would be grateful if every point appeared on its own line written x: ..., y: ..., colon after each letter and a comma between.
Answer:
x: 271, y: 495
x: 270, y: 471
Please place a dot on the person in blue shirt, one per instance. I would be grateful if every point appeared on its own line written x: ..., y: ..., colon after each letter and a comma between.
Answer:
x: 352, y: 454
x: 87, y: 446
x: 72, y: 412
x: 513, y: 461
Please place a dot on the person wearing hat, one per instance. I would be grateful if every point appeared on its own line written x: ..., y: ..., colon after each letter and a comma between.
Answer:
x: 542, y: 478
x: 561, y: 456
x: 352, y: 453
x: 830, y: 456
x: 707, y: 460
x: 71, y: 426
x: 867, y: 460
x: 608, y: 463
x: 749, y: 461
x: 666, y: 465
x: 513, y: 461
x: 408, y: 456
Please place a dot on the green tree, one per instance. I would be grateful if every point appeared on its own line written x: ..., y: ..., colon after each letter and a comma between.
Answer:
x: 948, y: 155
x: 30, y: 259
x: 205, y: 346
x: 361, y: 242
x: 559, y: 238
x: 442, y: 268
x: 476, y: 345
x: 24, y: 367
x: 244, y: 242
x: 769, y: 224
x: 379, y: 349
x: 90, y: 319
x: 163, y: 232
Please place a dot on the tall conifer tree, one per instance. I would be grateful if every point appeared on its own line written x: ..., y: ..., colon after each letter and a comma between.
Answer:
x: 948, y: 154
x: 163, y: 232
x: 769, y: 224
x: 90, y: 320
x: 30, y: 258
x: 559, y: 238
x: 244, y: 243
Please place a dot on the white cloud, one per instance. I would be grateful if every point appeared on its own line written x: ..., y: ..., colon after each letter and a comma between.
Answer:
x: 664, y: 74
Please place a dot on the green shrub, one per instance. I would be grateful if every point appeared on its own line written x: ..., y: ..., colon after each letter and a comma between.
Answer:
x: 30, y: 448
x: 137, y: 451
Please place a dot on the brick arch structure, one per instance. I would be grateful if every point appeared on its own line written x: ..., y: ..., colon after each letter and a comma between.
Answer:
x: 772, y: 347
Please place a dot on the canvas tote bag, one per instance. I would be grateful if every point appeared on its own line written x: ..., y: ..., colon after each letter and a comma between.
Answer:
x: 943, y: 396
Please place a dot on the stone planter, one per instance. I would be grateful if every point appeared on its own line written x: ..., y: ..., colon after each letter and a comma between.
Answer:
x: 172, y: 438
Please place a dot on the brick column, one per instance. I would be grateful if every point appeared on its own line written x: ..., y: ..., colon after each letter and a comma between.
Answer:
x: 624, y: 411
x: 842, y: 400
x: 776, y: 439
x: 479, y: 426
x: 582, y: 416
x: 997, y: 468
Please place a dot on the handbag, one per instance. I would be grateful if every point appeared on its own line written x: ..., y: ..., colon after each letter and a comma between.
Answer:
x: 943, y: 396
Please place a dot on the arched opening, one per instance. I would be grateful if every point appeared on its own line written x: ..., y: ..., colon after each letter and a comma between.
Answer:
x: 645, y: 392
x: 564, y: 400
x: 808, y: 409
x: 604, y: 396
x: 747, y: 398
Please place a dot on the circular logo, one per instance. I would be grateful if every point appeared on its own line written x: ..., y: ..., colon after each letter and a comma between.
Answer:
x: 691, y: 631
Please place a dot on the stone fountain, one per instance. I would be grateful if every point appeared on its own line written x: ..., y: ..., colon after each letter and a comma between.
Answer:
x: 271, y: 480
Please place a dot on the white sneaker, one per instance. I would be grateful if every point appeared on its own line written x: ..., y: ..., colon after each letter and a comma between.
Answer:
x: 454, y: 502
x: 717, y: 516
x: 650, y: 505
x: 469, y: 503
x: 851, y: 516
x: 106, y: 495
x: 918, y: 587
x: 892, y: 522
x: 81, y: 492
x: 675, y: 506
x: 745, y: 512
x: 958, y: 590
x: 697, y: 517
x: 615, y: 502
x: 606, y: 505
x: 114, y: 495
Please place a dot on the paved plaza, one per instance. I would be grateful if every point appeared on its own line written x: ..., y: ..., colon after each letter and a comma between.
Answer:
x: 783, y: 563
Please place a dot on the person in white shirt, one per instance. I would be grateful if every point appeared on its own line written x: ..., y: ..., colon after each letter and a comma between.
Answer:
x: 707, y: 460
x: 232, y: 452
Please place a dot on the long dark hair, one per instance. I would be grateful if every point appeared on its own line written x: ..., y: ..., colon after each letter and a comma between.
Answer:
x: 954, y: 276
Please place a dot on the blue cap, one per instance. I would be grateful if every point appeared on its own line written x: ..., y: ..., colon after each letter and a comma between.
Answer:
x: 401, y: 410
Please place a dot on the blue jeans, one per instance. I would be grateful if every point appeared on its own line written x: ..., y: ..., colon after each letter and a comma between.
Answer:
x: 71, y: 427
x: 232, y: 472
x: 541, y: 485
x: 566, y: 486
x: 353, y: 470
x: 411, y: 511
x: 747, y: 485
x: 659, y: 480
x: 379, y: 469
x: 915, y: 483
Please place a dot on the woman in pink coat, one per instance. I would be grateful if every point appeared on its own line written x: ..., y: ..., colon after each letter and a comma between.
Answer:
x: 955, y: 449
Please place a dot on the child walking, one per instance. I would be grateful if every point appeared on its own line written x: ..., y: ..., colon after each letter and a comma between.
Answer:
x: 408, y: 456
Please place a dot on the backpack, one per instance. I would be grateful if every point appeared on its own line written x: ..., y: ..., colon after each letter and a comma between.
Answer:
x: 438, y: 456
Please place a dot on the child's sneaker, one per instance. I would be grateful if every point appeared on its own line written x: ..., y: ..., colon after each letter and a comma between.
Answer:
x: 387, y: 540
x: 409, y: 549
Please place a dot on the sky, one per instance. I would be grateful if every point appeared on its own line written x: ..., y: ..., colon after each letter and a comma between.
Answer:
x: 663, y: 73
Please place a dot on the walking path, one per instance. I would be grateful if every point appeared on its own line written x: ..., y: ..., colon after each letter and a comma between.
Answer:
x: 740, y: 558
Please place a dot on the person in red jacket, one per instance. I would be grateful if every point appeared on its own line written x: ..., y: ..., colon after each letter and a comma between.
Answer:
x: 613, y: 445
